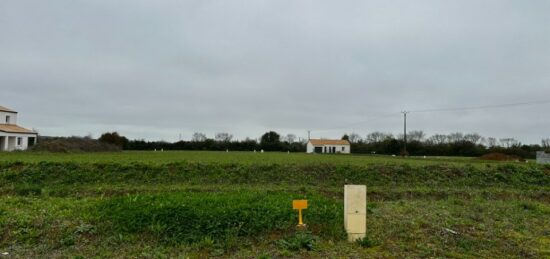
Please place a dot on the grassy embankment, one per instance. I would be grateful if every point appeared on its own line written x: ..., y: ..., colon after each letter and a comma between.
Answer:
x: 238, y: 204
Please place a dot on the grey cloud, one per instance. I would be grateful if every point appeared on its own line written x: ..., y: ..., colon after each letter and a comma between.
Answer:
x: 155, y: 69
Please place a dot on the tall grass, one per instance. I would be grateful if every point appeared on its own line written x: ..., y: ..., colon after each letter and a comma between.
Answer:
x: 70, y: 173
x: 190, y: 217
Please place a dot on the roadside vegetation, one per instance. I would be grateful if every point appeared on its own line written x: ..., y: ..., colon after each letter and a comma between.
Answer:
x: 218, y: 204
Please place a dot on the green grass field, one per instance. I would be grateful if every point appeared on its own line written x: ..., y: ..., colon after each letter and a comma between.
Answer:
x: 238, y: 204
x: 231, y: 157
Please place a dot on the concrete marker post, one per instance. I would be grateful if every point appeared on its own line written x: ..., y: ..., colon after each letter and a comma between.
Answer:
x: 355, y: 211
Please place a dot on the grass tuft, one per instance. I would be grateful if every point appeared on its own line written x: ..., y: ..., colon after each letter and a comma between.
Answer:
x: 299, y: 241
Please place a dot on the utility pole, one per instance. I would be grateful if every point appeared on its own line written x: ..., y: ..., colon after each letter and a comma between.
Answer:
x: 405, y: 132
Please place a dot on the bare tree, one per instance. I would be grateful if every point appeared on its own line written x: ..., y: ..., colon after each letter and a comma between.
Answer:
x: 472, y: 137
x: 482, y: 141
x: 377, y: 136
x: 545, y: 143
x: 223, y: 137
x: 400, y: 136
x: 455, y: 137
x: 508, y: 142
x: 354, y: 137
x: 198, y: 137
x: 438, y: 139
x: 416, y: 135
x: 290, y: 138
x: 491, y: 142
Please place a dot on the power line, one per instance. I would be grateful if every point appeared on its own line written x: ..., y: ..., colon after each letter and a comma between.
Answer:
x: 384, y: 116
x: 372, y: 119
x: 481, y: 107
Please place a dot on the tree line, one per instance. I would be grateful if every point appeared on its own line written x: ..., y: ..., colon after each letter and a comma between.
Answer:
x: 270, y: 141
x: 418, y: 144
x: 454, y: 144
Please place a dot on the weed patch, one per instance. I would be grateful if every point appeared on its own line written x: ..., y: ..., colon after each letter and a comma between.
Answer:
x: 366, y: 242
x: 28, y: 190
x: 299, y: 241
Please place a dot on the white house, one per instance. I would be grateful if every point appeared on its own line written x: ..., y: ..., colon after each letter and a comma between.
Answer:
x: 329, y: 146
x: 543, y: 158
x: 13, y: 137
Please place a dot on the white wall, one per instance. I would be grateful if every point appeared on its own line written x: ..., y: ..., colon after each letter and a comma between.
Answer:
x: 13, y: 117
x: 543, y: 158
x: 8, y: 141
x: 310, y: 148
x: 346, y: 148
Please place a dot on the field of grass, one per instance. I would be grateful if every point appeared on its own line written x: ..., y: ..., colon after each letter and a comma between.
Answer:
x: 238, y: 204
x: 230, y: 157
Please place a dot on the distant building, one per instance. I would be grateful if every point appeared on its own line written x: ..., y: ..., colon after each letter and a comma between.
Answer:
x: 543, y: 158
x: 328, y: 146
x: 13, y: 137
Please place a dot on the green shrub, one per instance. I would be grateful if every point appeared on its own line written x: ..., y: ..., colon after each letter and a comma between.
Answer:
x: 28, y: 190
x: 366, y: 242
x: 300, y: 240
x: 531, y: 206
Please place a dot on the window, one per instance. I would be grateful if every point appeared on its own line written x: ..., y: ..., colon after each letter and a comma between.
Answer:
x: 19, y: 141
x: 343, y: 148
x: 7, y: 119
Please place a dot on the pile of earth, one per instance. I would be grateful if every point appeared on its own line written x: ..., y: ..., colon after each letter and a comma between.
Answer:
x: 500, y: 157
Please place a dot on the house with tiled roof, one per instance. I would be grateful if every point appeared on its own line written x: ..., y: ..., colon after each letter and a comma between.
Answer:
x: 12, y: 136
x: 328, y: 146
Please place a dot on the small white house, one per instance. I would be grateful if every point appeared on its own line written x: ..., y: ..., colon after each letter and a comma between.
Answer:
x: 13, y: 137
x: 329, y: 146
x: 543, y: 158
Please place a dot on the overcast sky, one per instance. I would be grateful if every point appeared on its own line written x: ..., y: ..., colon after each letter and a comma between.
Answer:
x: 157, y: 69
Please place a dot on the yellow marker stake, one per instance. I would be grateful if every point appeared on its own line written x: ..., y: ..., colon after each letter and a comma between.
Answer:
x: 299, y: 205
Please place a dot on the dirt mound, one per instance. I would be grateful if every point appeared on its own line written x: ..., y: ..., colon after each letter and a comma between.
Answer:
x: 500, y: 157
x: 73, y: 144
